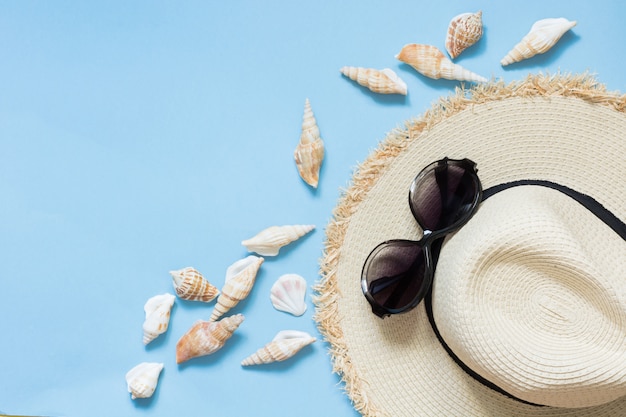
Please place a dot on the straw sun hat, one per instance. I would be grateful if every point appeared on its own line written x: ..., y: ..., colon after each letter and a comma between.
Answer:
x: 529, y: 296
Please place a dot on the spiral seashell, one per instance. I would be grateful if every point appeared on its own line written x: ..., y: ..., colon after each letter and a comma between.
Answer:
x: 543, y: 35
x: 431, y: 62
x: 142, y: 379
x: 206, y: 337
x: 379, y: 81
x: 284, y: 345
x: 269, y: 241
x: 157, y: 311
x: 464, y: 31
x: 240, y: 278
x: 309, y: 152
x: 191, y: 285
x: 287, y: 294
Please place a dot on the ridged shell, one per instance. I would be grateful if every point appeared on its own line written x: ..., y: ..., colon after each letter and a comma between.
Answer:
x: 543, y: 35
x: 309, y: 153
x: 287, y: 294
x: 464, y: 31
x: 284, y: 345
x: 191, y: 285
x: 157, y: 311
x: 206, y: 337
x: 383, y: 81
x: 431, y: 62
x: 269, y: 241
x: 240, y: 278
x: 142, y: 379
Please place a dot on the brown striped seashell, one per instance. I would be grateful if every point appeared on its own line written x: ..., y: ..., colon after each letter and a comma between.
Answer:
x: 543, y: 35
x: 240, y: 278
x: 464, y: 31
x: 309, y: 153
x: 191, y: 285
x: 431, y: 62
x: 269, y: 241
x: 284, y: 345
x: 157, y: 311
x: 206, y: 337
x: 383, y: 81
x: 142, y: 379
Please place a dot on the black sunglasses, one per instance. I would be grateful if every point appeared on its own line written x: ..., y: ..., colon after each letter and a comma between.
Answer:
x: 397, y: 274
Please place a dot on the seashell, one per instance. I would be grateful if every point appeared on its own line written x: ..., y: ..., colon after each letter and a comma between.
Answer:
x: 240, y: 277
x: 287, y: 294
x: 431, y: 62
x: 309, y: 152
x: 206, y: 337
x: 157, y: 319
x: 379, y: 81
x: 191, y: 285
x: 142, y: 379
x: 543, y: 35
x: 464, y: 31
x: 269, y: 241
x: 284, y: 345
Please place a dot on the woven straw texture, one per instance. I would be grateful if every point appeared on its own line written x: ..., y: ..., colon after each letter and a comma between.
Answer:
x: 561, y: 128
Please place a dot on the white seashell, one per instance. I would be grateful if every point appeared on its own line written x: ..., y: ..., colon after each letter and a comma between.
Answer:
x: 284, y: 345
x: 142, y: 379
x: 543, y: 35
x: 240, y: 278
x: 309, y: 153
x: 269, y: 241
x: 206, y: 337
x: 287, y: 294
x: 157, y: 319
x: 431, y: 62
x: 379, y: 81
x: 191, y: 285
x: 464, y: 31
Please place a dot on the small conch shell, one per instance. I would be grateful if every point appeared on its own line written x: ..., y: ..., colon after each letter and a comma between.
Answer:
x: 269, y: 241
x: 383, y: 81
x: 240, y: 277
x: 142, y: 379
x: 284, y: 345
x: 287, y: 294
x: 206, y: 337
x: 309, y: 152
x: 464, y: 31
x: 431, y: 62
x: 157, y: 319
x: 191, y: 285
x: 543, y: 35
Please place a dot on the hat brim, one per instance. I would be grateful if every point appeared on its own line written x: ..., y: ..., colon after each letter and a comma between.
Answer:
x: 561, y: 128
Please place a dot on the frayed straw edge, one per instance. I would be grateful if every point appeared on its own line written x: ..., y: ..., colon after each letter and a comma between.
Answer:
x: 327, y: 295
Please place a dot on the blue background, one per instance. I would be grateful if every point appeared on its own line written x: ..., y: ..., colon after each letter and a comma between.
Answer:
x: 137, y: 137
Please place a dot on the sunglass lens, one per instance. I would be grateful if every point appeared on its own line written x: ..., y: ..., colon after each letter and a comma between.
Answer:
x: 394, y: 273
x: 444, y: 194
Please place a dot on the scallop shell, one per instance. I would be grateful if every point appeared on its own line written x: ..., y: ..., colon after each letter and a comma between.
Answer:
x: 142, y: 379
x: 287, y: 294
x: 309, y: 152
x: 269, y: 241
x: 157, y: 319
x: 464, y: 31
x: 431, y: 62
x: 191, y: 285
x: 543, y: 35
x: 284, y: 345
x: 240, y: 277
x: 206, y: 337
x: 383, y: 81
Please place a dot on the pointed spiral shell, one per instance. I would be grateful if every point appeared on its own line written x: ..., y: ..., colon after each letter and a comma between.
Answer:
x: 240, y: 278
x: 309, y: 153
x: 191, y: 285
x: 157, y: 311
x: 142, y: 379
x: 383, y: 81
x: 206, y: 337
x: 284, y: 345
x: 464, y: 31
x: 269, y: 241
x: 431, y: 62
